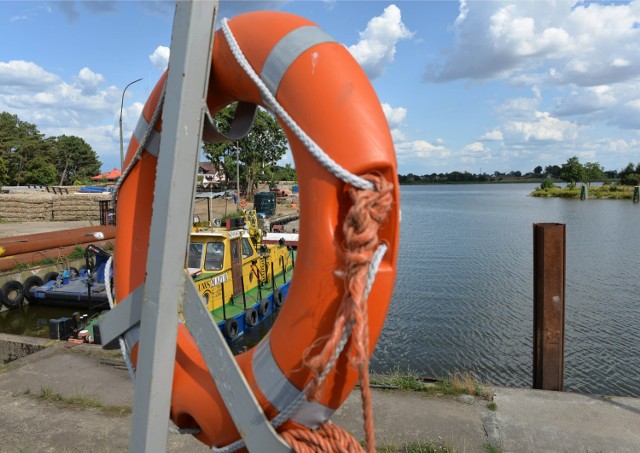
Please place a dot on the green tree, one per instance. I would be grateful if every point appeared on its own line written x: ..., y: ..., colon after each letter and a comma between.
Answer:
x: 552, y: 171
x: 19, y: 143
x: 40, y: 171
x: 572, y: 171
x: 4, y: 172
x: 276, y: 173
x: 538, y: 170
x: 630, y: 176
x: 593, y: 171
x: 74, y: 159
x: 256, y: 153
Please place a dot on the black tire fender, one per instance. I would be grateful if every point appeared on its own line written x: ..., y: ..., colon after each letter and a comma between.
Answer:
x: 277, y: 298
x: 264, y: 307
x: 49, y: 276
x: 251, y: 317
x: 31, y: 282
x: 13, y: 294
x: 231, y: 328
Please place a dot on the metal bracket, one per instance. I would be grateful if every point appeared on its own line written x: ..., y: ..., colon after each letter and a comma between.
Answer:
x: 126, y: 314
x: 241, y: 124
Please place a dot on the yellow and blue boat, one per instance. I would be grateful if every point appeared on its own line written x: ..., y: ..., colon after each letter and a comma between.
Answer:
x: 242, y: 280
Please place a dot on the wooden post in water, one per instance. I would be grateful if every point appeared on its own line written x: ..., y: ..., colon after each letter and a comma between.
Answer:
x: 636, y: 194
x: 549, y: 265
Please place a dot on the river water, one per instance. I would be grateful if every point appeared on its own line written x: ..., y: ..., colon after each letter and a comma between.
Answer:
x: 463, y: 299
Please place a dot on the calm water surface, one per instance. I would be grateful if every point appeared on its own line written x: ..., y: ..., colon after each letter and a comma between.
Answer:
x: 463, y: 299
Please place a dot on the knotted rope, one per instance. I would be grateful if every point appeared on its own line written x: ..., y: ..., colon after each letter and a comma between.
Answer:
x: 369, y: 211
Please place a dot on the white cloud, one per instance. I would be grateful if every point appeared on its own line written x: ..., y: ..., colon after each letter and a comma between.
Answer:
x: 160, y: 57
x: 493, y: 136
x: 584, y: 101
x: 474, y: 153
x: 560, y: 42
x: 377, y: 45
x: 543, y: 127
x: 395, y: 116
x: 89, y: 81
x: 398, y: 136
x: 84, y: 107
x: 422, y: 149
x: 18, y: 74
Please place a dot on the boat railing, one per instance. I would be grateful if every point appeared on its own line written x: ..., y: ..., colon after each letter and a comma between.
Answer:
x: 244, y: 295
x: 284, y: 269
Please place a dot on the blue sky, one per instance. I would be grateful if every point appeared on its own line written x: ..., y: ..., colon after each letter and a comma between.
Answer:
x: 466, y: 85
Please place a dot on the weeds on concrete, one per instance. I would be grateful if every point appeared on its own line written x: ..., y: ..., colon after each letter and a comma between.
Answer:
x: 439, y: 446
x: 492, y: 406
x: 81, y: 402
x: 456, y: 384
x: 488, y: 447
x: 5, y: 367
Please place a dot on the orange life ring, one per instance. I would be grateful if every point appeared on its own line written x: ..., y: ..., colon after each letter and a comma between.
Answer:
x: 324, y: 89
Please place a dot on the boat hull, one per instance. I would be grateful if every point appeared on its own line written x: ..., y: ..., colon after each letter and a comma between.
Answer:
x: 243, y: 327
x: 72, y: 294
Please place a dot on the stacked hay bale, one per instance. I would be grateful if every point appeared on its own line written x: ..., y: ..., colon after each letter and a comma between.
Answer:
x: 26, y: 206
x: 33, y: 206
x: 78, y: 206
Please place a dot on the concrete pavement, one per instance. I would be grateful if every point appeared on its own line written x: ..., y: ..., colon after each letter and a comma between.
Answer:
x: 524, y: 420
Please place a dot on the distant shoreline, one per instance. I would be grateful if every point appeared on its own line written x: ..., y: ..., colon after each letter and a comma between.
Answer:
x: 501, y: 181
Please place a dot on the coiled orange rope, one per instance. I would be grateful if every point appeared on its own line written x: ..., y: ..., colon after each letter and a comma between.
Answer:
x: 369, y: 211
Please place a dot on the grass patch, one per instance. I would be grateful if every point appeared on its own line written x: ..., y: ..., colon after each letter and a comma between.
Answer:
x: 456, y: 384
x: 492, y: 406
x: 430, y: 446
x: 608, y: 191
x: 78, y: 252
x: 439, y: 446
x: 81, y: 402
x: 488, y: 447
x: 46, y: 261
x: 5, y: 367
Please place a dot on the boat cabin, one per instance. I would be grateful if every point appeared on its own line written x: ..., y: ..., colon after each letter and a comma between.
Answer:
x: 234, y: 275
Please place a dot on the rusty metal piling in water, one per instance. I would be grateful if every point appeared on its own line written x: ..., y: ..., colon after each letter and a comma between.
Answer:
x: 549, y: 267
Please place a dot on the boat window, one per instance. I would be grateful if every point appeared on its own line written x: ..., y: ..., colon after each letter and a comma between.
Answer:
x: 247, y: 250
x: 195, y: 255
x: 215, y: 256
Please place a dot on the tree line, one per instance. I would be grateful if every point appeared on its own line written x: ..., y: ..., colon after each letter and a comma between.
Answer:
x: 28, y: 157
x: 572, y: 172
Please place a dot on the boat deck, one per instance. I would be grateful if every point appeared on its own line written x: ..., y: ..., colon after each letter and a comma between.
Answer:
x: 252, y: 297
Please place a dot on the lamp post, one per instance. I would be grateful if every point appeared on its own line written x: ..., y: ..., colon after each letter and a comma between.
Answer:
x: 121, y: 104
